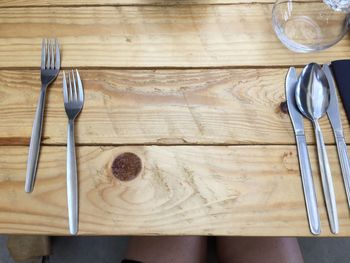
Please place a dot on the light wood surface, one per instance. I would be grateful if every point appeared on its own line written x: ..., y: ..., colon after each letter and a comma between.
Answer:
x: 191, y: 87
x: 205, y: 190
x: 35, y: 3
x: 209, y: 106
x: 151, y: 36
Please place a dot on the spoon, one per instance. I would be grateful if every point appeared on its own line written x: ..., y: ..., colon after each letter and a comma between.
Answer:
x: 312, y: 96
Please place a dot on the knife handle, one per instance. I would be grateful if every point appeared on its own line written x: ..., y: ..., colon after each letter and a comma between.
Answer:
x: 308, y: 185
x: 344, y: 163
x: 327, y: 181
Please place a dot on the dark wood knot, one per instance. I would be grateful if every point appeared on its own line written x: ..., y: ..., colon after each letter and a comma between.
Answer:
x: 126, y: 166
x: 284, y: 107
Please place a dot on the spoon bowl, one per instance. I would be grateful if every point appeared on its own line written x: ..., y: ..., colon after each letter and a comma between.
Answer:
x: 312, y: 93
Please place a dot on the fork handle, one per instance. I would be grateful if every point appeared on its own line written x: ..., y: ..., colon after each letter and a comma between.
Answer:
x: 34, y: 146
x: 72, y: 182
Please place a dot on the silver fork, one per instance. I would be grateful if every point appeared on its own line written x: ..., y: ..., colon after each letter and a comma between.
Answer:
x: 50, y: 67
x: 73, y: 96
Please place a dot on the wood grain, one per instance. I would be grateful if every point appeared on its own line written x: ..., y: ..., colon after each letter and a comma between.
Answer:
x: 182, y: 190
x: 21, y: 3
x: 231, y: 106
x: 151, y: 36
x: 191, y: 87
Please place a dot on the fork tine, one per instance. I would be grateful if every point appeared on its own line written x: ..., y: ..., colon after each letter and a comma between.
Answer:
x: 70, y: 87
x: 65, y: 92
x: 58, y: 55
x: 48, y: 55
x: 43, y: 53
x: 53, y: 51
x: 80, y: 88
x: 75, y: 96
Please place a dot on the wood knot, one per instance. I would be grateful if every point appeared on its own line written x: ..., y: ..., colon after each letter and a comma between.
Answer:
x: 126, y: 166
x: 284, y: 107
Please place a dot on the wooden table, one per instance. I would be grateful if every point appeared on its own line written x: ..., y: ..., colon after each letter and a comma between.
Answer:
x: 193, y: 88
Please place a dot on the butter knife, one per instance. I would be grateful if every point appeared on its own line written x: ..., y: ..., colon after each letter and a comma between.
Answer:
x: 303, y: 154
x: 334, y: 118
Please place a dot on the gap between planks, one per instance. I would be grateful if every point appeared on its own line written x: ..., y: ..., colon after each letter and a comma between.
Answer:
x: 162, y: 144
x: 286, y: 67
x: 155, y: 4
x: 137, y: 3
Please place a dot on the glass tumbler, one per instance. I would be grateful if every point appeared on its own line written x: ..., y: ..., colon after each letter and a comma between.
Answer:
x: 310, y: 25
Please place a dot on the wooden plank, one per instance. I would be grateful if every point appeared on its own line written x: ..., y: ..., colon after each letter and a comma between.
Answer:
x: 230, y: 106
x: 181, y: 190
x: 151, y: 36
x: 21, y: 3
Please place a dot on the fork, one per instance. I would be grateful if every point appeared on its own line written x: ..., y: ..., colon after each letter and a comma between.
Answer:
x: 73, y: 97
x: 50, y: 67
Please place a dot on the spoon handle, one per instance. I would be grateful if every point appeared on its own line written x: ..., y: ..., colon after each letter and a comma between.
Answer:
x: 327, y: 182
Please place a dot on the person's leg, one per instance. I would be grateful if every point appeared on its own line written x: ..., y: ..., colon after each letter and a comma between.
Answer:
x: 167, y: 249
x: 258, y: 250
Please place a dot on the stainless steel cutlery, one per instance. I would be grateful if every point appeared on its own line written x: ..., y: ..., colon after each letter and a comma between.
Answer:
x: 50, y: 67
x: 73, y: 96
x: 304, y: 160
x: 313, y: 94
x: 334, y: 118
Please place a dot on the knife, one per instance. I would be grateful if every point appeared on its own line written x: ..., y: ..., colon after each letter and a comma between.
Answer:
x: 334, y: 118
x: 303, y: 154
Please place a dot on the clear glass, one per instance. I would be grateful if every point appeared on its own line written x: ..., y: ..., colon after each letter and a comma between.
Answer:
x: 309, y: 25
x: 338, y: 5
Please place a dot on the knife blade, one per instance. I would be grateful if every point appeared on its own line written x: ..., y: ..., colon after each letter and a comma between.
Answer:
x: 294, y: 113
x: 303, y: 154
x: 334, y: 118
x: 333, y: 109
